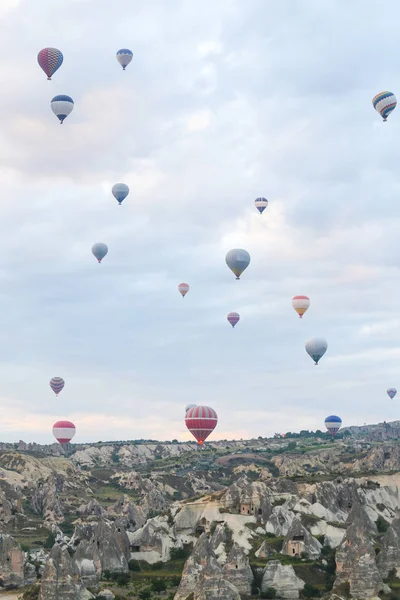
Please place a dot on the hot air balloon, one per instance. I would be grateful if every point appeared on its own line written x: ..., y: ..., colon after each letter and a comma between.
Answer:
x: 237, y: 260
x: 57, y: 384
x: 189, y: 406
x: 124, y: 57
x: 99, y: 250
x: 316, y: 348
x: 120, y: 192
x: 300, y: 304
x: 62, y: 106
x: 64, y: 431
x: 201, y: 421
x: 233, y: 318
x: 183, y: 289
x: 50, y: 60
x: 391, y: 392
x: 384, y: 103
x: 333, y: 424
x: 261, y: 204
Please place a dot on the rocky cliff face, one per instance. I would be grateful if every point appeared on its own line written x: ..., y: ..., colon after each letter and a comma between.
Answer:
x: 283, y: 579
x: 46, y: 499
x: 100, y: 546
x: 389, y: 556
x: 60, y: 580
x: 356, y: 564
x: 204, y: 579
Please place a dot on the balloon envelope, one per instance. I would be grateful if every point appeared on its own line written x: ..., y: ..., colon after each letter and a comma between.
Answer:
x: 99, y: 250
x: 120, y: 191
x: 261, y: 204
x: 57, y: 384
x: 64, y: 431
x: 300, y: 304
x: 333, y: 424
x: 201, y: 421
x: 391, y: 392
x: 62, y: 106
x: 316, y: 348
x: 233, y: 318
x: 124, y: 57
x: 50, y: 60
x: 189, y: 406
x: 237, y: 260
x: 384, y: 103
x: 183, y: 289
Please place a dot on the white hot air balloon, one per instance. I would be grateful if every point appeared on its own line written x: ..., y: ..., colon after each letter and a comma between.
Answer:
x: 316, y: 348
x: 62, y: 106
x: 188, y: 406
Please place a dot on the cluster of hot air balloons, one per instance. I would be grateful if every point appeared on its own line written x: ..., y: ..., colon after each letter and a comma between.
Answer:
x: 200, y: 420
x: 50, y: 60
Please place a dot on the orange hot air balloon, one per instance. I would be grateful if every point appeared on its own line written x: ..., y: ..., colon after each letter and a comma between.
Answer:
x: 300, y: 304
x: 201, y: 421
x: 183, y: 289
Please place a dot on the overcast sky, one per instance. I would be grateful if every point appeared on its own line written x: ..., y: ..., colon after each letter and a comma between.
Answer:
x: 224, y: 101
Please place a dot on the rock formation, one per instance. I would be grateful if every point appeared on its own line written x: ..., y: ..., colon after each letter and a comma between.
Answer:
x: 98, y: 547
x: 298, y: 540
x: 283, y: 579
x: 203, y: 576
x: 60, y: 579
x: 12, y: 573
x: 389, y: 556
x: 356, y: 565
x: 237, y: 570
x: 130, y: 515
x: 46, y: 499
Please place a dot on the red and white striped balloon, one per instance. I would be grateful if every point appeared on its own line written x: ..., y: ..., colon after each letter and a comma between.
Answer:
x: 300, y: 304
x: 183, y: 289
x: 201, y: 421
x: 64, y: 431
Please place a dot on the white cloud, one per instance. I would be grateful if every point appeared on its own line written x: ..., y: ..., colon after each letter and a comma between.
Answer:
x: 221, y: 104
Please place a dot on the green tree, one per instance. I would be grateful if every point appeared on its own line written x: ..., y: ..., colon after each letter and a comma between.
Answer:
x: 381, y: 524
x: 269, y: 593
x: 50, y: 540
x: 158, y: 585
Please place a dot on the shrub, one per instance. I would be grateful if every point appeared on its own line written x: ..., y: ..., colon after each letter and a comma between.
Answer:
x: 270, y: 593
x: 177, y: 553
x: 310, y: 591
x: 158, y: 585
x: 50, y: 540
x: 156, y: 566
x: 134, y: 565
x: 122, y: 579
x: 381, y: 524
x: 145, y: 594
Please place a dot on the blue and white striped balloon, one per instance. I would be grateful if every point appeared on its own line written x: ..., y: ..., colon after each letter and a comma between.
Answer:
x: 124, y: 57
x: 261, y: 204
x: 120, y: 192
x: 62, y: 106
x: 384, y: 103
x: 333, y: 424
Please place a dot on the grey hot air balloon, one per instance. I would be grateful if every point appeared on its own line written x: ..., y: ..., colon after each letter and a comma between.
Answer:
x: 237, y: 260
x: 120, y: 192
x: 316, y: 348
x: 99, y: 250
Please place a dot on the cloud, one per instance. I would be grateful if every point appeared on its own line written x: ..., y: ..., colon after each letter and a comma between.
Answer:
x: 219, y: 106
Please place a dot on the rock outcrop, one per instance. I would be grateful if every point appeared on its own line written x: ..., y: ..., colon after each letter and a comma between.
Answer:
x: 46, y: 499
x: 356, y: 565
x: 99, y: 547
x: 12, y: 559
x: 389, y: 556
x: 237, y: 570
x: 60, y: 579
x: 283, y: 579
x: 298, y: 537
x: 92, y: 508
x: 129, y: 514
x: 203, y: 576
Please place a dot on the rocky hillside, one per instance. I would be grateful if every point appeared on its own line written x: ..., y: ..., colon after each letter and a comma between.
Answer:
x: 288, y: 518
